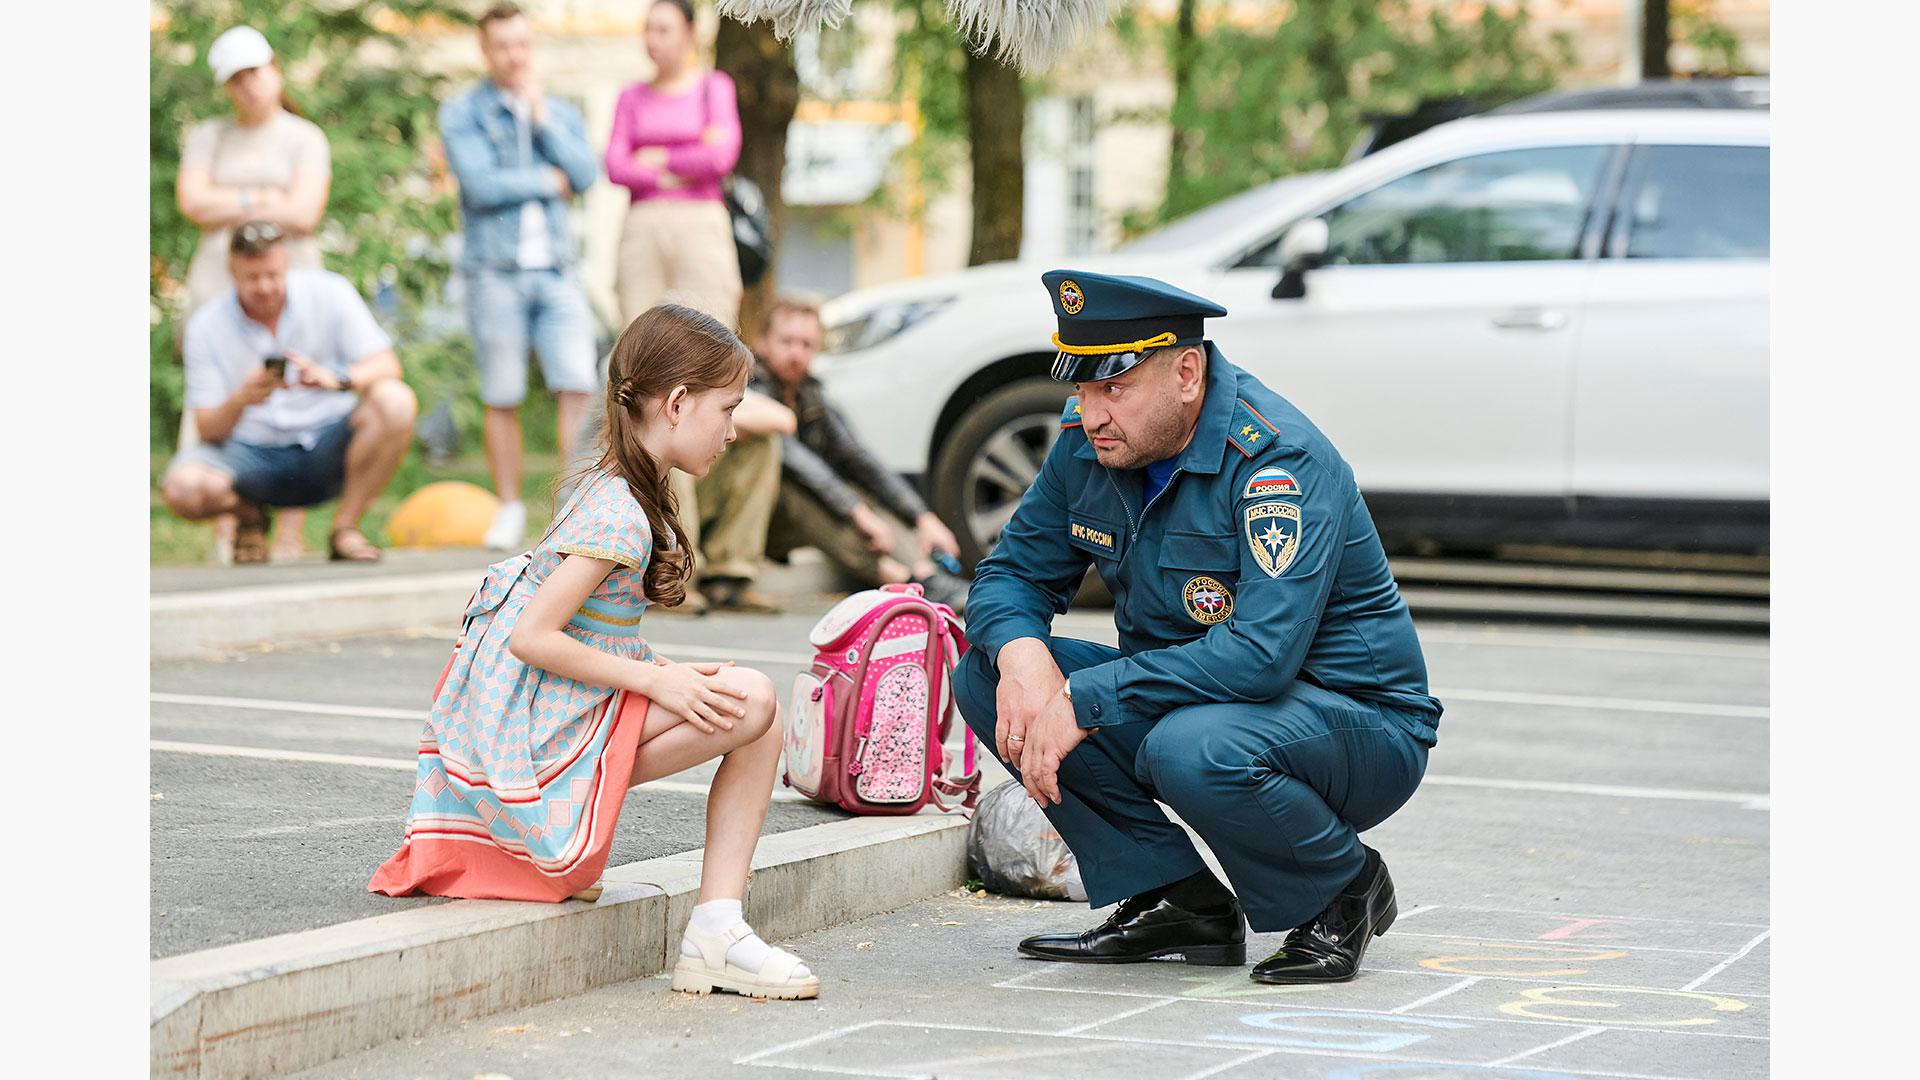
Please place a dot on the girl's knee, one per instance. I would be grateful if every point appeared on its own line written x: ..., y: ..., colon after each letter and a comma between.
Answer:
x: 761, y: 704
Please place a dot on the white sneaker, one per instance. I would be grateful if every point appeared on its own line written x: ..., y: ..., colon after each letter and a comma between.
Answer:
x: 509, y: 529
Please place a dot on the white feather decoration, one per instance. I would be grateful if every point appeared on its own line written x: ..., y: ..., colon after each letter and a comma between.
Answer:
x: 788, y: 16
x: 1032, y: 35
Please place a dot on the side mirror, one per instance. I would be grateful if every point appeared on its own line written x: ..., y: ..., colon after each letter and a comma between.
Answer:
x: 1303, y: 248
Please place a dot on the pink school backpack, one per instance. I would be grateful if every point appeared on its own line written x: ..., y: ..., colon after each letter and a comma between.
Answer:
x: 867, y: 724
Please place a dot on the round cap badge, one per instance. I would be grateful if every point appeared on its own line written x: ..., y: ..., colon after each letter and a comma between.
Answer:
x: 1208, y: 601
x: 1071, y: 298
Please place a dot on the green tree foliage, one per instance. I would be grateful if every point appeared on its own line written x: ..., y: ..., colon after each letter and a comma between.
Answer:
x: 348, y: 68
x: 1717, y: 46
x: 1291, y: 94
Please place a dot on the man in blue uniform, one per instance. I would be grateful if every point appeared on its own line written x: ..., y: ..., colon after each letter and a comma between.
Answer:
x: 1268, y: 686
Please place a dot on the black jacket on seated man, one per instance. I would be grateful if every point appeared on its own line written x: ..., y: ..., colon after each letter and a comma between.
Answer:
x: 825, y: 458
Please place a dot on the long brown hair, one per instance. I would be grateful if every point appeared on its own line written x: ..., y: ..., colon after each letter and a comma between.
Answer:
x: 667, y: 346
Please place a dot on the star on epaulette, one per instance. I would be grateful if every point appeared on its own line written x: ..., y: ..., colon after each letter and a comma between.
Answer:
x: 1249, y: 429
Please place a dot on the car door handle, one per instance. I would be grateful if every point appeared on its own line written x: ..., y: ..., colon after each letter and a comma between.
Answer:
x: 1530, y: 318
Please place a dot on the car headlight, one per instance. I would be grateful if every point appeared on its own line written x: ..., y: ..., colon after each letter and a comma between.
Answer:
x: 880, y: 324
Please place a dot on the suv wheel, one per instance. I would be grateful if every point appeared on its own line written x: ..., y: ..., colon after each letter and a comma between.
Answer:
x: 991, y: 457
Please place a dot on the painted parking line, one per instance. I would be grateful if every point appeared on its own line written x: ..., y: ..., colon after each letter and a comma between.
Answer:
x: 311, y: 708
x: 1605, y: 704
x: 1500, y: 697
x: 1728, y: 962
x: 1571, y: 640
x: 312, y: 757
x: 1749, y: 800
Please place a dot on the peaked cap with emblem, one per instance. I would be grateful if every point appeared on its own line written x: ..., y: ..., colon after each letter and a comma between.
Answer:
x: 1110, y: 322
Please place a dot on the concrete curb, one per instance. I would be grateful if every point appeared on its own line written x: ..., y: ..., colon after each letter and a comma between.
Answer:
x: 190, y: 624
x: 298, y: 1000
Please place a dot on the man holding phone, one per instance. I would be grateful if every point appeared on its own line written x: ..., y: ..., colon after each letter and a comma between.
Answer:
x: 298, y: 398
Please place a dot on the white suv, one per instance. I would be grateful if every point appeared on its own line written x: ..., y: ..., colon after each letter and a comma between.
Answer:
x: 1545, y: 327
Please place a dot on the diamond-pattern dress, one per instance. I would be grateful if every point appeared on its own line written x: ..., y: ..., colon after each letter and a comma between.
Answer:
x: 522, y: 771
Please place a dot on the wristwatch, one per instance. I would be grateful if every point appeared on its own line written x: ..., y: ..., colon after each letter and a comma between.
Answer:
x: 1066, y: 689
x: 346, y: 381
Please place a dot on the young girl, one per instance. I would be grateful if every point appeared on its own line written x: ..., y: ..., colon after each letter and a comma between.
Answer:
x: 553, y: 705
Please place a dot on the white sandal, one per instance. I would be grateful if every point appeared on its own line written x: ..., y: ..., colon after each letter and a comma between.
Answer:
x: 710, y: 971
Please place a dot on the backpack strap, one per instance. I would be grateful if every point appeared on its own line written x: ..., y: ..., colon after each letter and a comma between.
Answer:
x: 965, y: 785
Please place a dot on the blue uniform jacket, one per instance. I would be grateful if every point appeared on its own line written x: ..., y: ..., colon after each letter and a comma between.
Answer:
x: 1256, y: 565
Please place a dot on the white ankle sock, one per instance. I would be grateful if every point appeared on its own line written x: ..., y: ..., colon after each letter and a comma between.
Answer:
x: 719, y: 916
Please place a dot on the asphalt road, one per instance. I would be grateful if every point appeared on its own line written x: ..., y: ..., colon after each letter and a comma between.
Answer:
x: 1588, y: 859
x: 1583, y: 889
x: 280, y: 779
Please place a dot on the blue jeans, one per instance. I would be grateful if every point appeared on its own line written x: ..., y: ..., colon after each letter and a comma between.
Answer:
x: 510, y: 310
x: 280, y: 475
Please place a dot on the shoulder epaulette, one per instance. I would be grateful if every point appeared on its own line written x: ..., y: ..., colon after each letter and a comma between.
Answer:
x: 1250, y: 433
x: 1070, y: 417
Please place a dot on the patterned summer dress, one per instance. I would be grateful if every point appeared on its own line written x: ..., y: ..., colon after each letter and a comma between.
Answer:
x: 522, y: 771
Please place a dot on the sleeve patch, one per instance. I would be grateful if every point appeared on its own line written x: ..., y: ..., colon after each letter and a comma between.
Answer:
x: 1269, y: 482
x: 1070, y: 416
x: 1272, y: 531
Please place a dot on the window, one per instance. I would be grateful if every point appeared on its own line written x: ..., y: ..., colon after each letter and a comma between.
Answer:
x: 1510, y: 206
x: 1694, y: 202
x: 1083, y: 212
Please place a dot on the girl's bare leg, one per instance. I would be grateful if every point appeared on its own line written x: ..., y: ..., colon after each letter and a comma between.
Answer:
x: 742, y: 787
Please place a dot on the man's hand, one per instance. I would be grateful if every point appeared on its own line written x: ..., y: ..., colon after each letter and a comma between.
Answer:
x: 312, y: 374
x: 531, y: 92
x: 934, y: 535
x: 257, y: 387
x: 560, y: 178
x: 1035, y: 728
x: 1050, y: 737
x: 878, y: 533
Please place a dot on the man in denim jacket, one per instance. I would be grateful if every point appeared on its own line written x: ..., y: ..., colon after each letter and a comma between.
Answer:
x: 520, y: 157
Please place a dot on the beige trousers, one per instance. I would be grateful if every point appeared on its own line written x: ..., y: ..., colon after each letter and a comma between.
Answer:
x: 678, y: 251
x: 726, y: 513
x: 800, y: 520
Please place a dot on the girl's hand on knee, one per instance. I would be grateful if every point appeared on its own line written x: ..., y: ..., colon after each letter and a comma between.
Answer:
x: 698, y: 694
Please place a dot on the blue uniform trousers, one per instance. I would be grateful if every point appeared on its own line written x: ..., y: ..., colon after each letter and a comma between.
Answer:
x: 1279, y: 790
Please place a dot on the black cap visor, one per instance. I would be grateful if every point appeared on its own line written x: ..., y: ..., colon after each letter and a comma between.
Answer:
x: 1075, y: 368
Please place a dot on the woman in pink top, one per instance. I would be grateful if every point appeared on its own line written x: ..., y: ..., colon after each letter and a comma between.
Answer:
x: 674, y: 139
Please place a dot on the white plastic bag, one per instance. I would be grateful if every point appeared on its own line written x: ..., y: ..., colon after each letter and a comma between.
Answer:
x: 1013, y: 850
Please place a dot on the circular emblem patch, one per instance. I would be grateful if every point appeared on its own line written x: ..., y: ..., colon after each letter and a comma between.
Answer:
x: 1071, y: 298
x: 1208, y: 601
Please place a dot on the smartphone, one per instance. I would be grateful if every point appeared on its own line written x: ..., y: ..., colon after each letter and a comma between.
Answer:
x: 277, y: 365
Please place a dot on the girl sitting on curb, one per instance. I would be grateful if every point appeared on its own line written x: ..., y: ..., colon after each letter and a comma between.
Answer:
x: 553, y: 705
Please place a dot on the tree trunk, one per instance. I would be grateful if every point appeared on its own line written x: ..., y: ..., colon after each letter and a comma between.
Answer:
x: 769, y: 91
x: 1656, y: 38
x: 996, y: 127
x: 1180, y: 147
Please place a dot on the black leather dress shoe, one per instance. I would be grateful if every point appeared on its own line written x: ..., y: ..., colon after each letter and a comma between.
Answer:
x: 1148, y: 927
x: 1329, y: 948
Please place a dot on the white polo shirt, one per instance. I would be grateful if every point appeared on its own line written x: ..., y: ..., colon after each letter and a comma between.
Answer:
x: 324, y: 320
